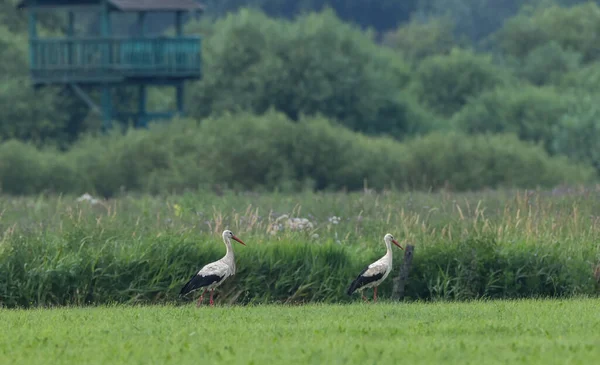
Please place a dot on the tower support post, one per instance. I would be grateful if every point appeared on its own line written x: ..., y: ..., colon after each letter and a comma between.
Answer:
x: 142, y: 113
x: 106, y: 107
x: 180, y: 91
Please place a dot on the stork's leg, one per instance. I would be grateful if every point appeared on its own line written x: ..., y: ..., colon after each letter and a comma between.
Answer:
x: 375, y: 295
x: 363, y: 297
x: 201, y: 298
x: 212, y: 302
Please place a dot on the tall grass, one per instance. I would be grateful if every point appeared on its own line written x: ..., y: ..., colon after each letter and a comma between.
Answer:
x: 54, y: 250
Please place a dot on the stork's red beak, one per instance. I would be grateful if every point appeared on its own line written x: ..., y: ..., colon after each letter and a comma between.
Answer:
x: 397, y: 244
x: 239, y: 240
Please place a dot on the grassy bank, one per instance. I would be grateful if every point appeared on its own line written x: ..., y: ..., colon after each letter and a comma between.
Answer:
x: 56, y: 251
x: 497, y: 332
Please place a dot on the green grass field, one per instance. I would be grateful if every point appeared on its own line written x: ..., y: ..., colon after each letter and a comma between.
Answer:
x: 494, y: 332
x: 140, y: 250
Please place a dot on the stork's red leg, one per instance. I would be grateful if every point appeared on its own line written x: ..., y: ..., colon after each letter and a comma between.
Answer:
x: 211, y: 297
x: 375, y: 295
x: 363, y: 297
x: 201, y: 298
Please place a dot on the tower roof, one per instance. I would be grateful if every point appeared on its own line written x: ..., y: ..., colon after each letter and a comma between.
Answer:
x: 122, y: 5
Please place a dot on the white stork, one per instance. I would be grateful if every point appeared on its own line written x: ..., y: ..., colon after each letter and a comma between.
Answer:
x: 215, y: 273
x: 375, y: 274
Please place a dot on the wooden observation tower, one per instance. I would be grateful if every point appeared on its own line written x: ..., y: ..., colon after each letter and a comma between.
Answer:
x: 105, y: 61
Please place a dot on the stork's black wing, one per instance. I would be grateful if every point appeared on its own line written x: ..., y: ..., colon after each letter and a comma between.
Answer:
x: 199, y: 281
x: 363, y: 279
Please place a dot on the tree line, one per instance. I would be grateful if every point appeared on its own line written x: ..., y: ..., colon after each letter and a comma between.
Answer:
x: 534, y: 79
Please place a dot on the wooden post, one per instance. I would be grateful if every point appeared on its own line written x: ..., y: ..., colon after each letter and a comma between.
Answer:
x: 180, y: 96
x: 32, y: 34
x: 33, y: 20
x: 70, y: 35
x: 402, y: 278
x: 71, y: 24
x: 141, y: 21
x: 142, y: 112
x: 105, y: 19
x: 179, y: 23
x: 105, y: 32
x: 106, y: 107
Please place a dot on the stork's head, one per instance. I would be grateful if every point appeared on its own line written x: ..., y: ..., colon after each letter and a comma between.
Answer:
x: 389, y: 239
x: 227, y: 235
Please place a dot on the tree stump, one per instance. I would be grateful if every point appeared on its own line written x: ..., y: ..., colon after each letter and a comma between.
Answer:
x: 402, y: 278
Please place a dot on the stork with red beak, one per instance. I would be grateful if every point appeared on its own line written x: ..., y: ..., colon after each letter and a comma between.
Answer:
x: 214, y: 274
x: 375, y: 274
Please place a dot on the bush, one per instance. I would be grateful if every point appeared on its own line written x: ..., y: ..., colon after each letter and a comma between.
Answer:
x: 163, y: 158
x: 530, y: 112
x: 25, y: 170
x: 469, y: 163
x: 272, y: 152
x: 21, y: 170
x: 445, y: 83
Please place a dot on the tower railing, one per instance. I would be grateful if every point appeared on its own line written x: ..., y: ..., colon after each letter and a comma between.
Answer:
x: 92, y: 59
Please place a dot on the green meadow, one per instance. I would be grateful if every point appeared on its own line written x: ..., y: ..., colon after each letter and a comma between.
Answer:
x: 480, y: 332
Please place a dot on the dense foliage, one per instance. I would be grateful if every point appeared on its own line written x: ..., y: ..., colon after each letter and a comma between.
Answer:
x: 293, y: 100
x: 273, y: 152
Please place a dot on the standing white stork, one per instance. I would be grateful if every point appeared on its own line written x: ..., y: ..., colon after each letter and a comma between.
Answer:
x: 375, y: 274
x: 214, y: 274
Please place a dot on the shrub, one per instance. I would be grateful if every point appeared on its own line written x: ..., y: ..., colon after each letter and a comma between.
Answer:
x: 272, y: 152
x: 26, y: 170
x: 470, y: 163
x: 20, y: 168
x: 163, y: 158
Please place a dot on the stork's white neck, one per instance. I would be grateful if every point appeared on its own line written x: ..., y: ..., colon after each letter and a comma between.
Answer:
x: 388, y: 246
x: 389, y: 254
x: 229, y: 247
x: 229, y: 257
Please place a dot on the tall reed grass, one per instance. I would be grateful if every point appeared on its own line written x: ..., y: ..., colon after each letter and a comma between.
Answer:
x: 56, y: 251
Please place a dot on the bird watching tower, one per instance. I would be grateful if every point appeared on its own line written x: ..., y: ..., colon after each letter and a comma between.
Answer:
x: 107, y: 60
